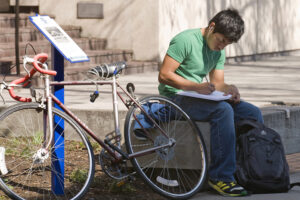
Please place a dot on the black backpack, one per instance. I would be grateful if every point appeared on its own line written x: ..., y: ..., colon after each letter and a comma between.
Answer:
x: 261, y: 162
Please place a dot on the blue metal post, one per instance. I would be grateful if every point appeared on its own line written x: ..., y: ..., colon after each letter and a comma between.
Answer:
x: 58, y: 152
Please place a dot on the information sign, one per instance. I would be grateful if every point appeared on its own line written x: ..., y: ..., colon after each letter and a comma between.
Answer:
x: 59, y: 38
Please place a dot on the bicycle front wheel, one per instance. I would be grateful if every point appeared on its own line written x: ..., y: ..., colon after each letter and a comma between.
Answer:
x: 177, y: 171
x: 29, y: 170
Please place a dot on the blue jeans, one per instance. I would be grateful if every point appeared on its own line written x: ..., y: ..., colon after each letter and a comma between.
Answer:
x: 222, y: 117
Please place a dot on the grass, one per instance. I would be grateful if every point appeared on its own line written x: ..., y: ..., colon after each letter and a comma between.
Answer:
x: 78, y: 176
x: 121, y: 187
x: 3, y: 197
x: 16, y: 143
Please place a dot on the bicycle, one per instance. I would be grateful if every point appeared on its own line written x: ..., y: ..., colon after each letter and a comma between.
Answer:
x: 45, y: 152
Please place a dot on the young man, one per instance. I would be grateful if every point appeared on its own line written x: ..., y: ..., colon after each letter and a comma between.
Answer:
x: 192, y: 55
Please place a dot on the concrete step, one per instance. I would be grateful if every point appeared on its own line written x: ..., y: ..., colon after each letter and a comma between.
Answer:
x: 32, y: 34
x: 96, y: 57
x: 8, y: 49
x: 9, y: 78
x: 7, y: 20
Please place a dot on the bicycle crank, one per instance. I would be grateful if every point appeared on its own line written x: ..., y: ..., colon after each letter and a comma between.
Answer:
x: 114, y: 170
x: 167, y: 153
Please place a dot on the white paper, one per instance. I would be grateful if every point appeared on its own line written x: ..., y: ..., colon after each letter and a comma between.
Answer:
x: 59, y: 38
x: 214, y: 96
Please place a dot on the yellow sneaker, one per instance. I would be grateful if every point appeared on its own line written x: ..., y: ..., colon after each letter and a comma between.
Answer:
x: 231, y: 189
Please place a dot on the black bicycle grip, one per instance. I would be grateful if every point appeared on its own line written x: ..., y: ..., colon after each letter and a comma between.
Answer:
x: 94, y: 96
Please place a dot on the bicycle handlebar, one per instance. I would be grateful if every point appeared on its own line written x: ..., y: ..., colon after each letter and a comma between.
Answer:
x: 42, y: 57
x: 38, y: 61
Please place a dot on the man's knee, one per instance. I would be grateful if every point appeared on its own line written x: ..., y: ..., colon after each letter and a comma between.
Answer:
x: 224, y: 108
x: 251, y: 111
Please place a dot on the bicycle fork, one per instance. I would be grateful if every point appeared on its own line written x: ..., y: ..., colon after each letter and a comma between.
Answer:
x: 42, y: 154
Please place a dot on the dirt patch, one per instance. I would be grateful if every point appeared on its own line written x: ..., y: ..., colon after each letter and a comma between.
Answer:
x: 103, y: 187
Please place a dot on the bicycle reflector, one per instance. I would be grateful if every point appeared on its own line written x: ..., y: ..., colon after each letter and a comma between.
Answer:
x: 3, y: 168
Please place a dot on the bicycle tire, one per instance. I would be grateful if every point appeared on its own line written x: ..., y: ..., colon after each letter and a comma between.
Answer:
x: 29, y: 172
x: 173, y: 172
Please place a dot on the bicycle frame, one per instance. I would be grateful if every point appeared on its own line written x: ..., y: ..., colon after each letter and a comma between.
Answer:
x: 110, y: 149
x: 114, y: 150
x: 156, y: 117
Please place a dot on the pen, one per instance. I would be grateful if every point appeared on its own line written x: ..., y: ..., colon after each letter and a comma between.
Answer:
x: 210, y: 84
x: 206, y: 79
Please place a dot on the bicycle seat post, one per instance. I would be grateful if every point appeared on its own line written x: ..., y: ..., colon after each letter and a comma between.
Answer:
x: 115, y: 108
x: 49, y: 108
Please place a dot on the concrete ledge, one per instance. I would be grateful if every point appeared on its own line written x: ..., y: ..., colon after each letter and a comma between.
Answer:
x: 283, y: 119
x: 286, y: 121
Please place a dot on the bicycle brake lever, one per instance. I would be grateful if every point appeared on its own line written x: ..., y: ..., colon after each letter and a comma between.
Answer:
x: 25, y: 61
x: 24, y: 65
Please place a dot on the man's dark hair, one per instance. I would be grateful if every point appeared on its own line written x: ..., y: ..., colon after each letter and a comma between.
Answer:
x: 229, y: 23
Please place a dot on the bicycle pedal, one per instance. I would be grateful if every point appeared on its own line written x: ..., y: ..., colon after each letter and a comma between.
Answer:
x: 114, y: 138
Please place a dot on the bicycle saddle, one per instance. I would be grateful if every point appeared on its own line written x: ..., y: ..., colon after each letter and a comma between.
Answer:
x: 108, y: 70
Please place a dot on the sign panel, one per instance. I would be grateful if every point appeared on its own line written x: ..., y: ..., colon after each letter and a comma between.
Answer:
x: 59, y: 38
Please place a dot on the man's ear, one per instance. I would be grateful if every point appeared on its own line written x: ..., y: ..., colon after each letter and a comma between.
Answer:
x: 212, y: 26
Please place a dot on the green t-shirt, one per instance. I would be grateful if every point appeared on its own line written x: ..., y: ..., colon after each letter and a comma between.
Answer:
x: 196, y: 59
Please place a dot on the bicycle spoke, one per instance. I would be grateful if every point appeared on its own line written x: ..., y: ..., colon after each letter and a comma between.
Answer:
x: 174, y: 174
x: 31, y: 167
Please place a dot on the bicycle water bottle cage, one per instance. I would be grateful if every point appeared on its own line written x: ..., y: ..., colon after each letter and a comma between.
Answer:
x: 107, y: 71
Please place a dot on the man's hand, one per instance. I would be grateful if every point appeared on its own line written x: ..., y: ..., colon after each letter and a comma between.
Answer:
x: 205, y: 88
x: 232, y: 89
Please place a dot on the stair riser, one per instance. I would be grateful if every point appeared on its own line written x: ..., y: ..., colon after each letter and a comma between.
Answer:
x: 32, y: 35
x: 5, y: 67
x: 9, y: 22
x: 45, y: 47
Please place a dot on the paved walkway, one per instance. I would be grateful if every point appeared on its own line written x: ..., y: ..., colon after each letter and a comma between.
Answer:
x: 275, y: 79
x: 261, y: 83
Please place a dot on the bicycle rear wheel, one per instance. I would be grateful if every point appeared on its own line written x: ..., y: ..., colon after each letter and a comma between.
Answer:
x: 178, y: 171
x: 29, y: 171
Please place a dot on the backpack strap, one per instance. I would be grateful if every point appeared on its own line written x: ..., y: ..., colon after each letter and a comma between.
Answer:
x: 243, y: 126
x: 249, y: 122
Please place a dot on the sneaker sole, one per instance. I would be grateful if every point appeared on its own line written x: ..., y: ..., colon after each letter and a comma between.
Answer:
x: 216, y: 188
x: 140, y: 138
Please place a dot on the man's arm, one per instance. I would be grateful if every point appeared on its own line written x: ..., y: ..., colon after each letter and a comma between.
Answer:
x: 168, y: 76
x: 216, y: 77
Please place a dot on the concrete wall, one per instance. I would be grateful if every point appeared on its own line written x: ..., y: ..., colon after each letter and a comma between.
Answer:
x: 270, y: 26
x: 127, y: 24
x: 146, y: 26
